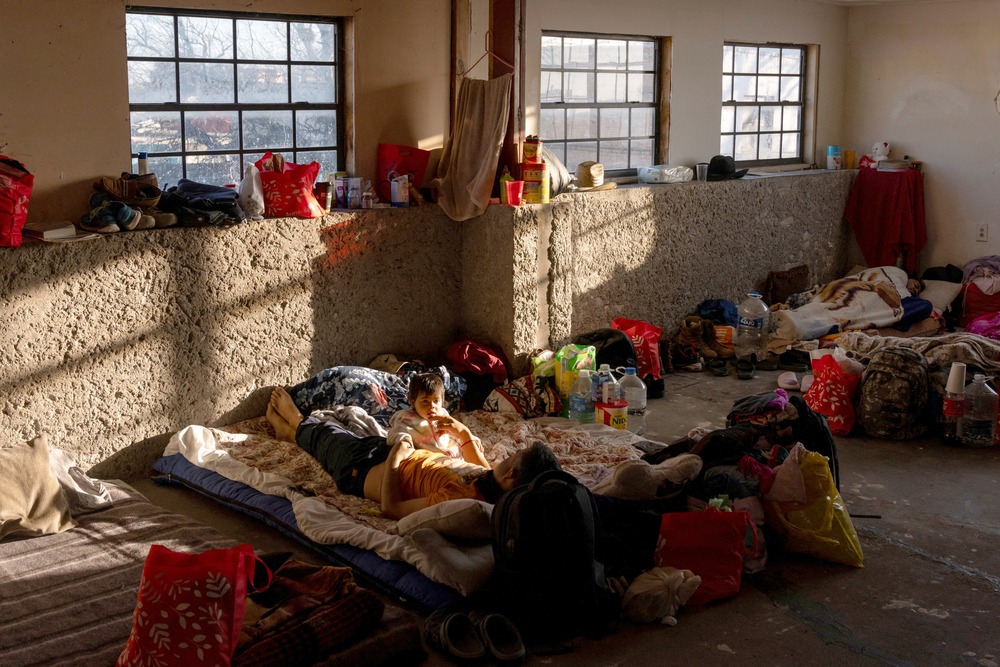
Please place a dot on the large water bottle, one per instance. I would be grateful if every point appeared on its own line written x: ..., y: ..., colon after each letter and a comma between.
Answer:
x: 633, y: 390
x: 979, y: 420
x: 751, y: 331
x: 581, y: 399
x: 605, y: 385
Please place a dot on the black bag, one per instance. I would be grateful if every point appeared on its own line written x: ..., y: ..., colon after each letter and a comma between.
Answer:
x: 548, y: 578
x: 893, y: 395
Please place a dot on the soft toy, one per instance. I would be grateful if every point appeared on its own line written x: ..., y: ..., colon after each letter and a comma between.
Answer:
x: 639, y: 480
x: 657, y: 594
x: 880, y: 151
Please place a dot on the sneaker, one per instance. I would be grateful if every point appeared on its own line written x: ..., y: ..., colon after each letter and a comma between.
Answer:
x: 128, y: 218
x: 161, y: 218
x: 131, y: 191
x: 146, y: 221
x: 99, y: 220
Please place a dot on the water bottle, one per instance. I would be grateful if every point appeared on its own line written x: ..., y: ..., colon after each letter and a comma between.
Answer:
x: 605, y: 386
x: 581, y: 399
x: 979, y: 420
x: 142, y: 164
x: 953, y: 405
x: 633, y: 390
x: 751, y: 332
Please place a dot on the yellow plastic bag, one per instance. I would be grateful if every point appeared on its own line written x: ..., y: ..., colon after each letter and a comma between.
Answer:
x: 572, y: 359
x: 820, y: 524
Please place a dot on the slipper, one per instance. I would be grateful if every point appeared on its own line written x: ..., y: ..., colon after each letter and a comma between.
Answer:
x: 717, y: 367
x: 745, y: 369
x: 788, y: 381
x: 500, y: 636
x: 794, y: 360
x: 807, y: 381
x: 455, y: 633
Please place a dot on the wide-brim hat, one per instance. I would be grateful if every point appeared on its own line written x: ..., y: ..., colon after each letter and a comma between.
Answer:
x: 388, y: 363
x: 723, y: 168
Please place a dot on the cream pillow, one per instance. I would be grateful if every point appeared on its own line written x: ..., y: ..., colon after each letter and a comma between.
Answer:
x: 463, y: 519
x: 31, y: 500
x: 940, y: 293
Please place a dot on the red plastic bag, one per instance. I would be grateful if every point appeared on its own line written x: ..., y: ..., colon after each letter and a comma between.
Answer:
x: 190, y: 607
x: 393, y: 161
x: 15, y: 191
x: 288, y: 188
x: 646, y: 341
x: 712, y: 544
x: 832, y: 394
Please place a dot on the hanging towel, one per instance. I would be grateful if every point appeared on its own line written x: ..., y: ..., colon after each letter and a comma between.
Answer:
x: 469, y: 160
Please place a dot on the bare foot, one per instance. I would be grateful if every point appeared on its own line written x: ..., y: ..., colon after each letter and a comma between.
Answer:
x: 282, y: 429
x: 282, y: 414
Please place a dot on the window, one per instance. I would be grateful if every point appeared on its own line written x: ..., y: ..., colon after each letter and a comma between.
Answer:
x: 209, y: 93
x: 600, y: 98
x: 763, y: 103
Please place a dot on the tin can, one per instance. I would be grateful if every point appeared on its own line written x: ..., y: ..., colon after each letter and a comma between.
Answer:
x: 613, y: 413
x: 536, y: 182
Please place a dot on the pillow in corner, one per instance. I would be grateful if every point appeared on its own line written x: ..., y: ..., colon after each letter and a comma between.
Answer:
x: 940, y: 293
x: 32, y: 501
x: 463, y: 519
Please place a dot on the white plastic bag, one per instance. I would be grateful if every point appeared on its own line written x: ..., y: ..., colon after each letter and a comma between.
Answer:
x: 251, y: 193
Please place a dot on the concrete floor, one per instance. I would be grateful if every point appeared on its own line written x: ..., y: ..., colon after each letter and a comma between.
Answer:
x: 929, y: 593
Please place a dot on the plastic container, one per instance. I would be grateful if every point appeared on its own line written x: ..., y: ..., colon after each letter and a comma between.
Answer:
x: 953, y: 405
x: 633, y: 390
x: 143, y: 164
x: 752, y: 329
x: 980, y: 418
x: 605, y: 386
x: 581, y: 399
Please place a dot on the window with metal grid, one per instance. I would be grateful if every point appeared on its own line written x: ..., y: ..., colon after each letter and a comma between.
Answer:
x: 210, y: 92
x: 763, y: 103
x: 600, y: 98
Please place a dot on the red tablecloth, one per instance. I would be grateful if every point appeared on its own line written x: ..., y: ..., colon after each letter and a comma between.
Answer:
x: 886, y: 212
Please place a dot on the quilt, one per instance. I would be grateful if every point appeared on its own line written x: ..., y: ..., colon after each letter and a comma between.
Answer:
x: 249, y: 453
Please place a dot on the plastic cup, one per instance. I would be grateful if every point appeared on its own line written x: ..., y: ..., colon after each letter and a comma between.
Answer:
x: 849, y: 158
x: 701, y: 171
x: 956, y: 379
x: 514, y: 191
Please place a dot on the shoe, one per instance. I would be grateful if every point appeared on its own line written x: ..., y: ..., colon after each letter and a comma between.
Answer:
x: 794, y: 360
x: 807, y: 381
x: 717, y: 367
x: 161, y: 218
x: 454, y: 633
x: 146, y: 222
x: 98, y: 220
x: 788, y: 381
x: 745, y: 369
x: 128, y: 218
x: 769, y: 363
x: 131, y: 191
x: 500, y: 636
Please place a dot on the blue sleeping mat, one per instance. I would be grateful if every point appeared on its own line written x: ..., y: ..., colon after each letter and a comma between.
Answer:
x: 394, y: 578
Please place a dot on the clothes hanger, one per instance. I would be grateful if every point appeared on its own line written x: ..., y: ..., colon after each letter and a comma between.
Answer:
x: 487, y: 52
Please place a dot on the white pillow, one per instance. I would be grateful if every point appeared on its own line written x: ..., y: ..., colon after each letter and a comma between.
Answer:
x: 463, y: 518
x: 940, y: 293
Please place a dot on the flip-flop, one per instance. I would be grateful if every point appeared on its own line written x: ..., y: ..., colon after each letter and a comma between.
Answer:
x: 788, y: 381
x: 455, y: 633
x: 717, y: 367
x: 745, y: 369
x: 807, y: 381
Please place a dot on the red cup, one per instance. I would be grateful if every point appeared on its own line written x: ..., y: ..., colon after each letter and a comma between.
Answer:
x: 514, y: 191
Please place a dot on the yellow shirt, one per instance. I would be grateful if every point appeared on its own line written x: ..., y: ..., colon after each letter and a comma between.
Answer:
x: 426, y: 474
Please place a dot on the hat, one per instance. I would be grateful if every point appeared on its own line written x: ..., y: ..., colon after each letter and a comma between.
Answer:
x: 590, y: 176
x: 388, y: 363
x: 723, y: 168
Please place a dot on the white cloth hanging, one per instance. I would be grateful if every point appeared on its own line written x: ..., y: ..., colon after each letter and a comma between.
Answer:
x: 468, y: 163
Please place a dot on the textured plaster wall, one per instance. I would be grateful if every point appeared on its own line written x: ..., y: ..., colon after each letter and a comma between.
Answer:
x: 129, y: 337
x: 655, y: 253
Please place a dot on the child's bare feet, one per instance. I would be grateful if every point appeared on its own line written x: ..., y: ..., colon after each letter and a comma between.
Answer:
x: 282, y: 414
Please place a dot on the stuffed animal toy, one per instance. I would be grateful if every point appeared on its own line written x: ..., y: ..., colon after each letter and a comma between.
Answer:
x: 657, y: 594
x: 638, y: 480
x: 880, y: 151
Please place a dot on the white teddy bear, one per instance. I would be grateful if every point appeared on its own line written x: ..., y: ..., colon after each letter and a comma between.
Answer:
x: 880, y: 151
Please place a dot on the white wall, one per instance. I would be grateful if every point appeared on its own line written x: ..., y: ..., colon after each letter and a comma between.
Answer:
x: 924, y: 77
x: 698, y: 30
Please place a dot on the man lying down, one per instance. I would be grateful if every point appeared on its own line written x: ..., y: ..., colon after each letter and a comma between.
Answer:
x: 398, y: 477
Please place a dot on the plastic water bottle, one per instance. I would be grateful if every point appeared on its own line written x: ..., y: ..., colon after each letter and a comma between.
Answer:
x: 605, y: 386
x: 751, y: 332
x: 953, y: 405
x: 581, y: 399
x: 142, y: 164
x: 633, y: 390
x: 979, y: 421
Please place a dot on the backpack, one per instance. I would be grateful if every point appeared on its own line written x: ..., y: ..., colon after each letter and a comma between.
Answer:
x: 893, y: 395
x: 547, y: 576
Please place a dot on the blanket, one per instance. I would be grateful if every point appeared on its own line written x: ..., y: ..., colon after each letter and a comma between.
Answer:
x: 939, y: 351
x: 249, y: 453
x: 868, y: 299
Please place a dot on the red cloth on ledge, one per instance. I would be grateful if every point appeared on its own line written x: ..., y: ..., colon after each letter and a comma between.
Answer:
x: 886, y: 212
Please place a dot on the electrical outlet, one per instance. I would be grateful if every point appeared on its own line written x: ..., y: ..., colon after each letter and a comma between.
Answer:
x: 982, y: 233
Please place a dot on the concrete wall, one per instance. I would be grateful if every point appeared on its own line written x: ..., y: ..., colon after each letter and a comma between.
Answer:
x: 924, y: 77
x: 129, y: 337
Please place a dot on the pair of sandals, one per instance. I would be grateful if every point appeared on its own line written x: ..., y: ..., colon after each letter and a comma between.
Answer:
x: 790, y: 382
x: 472, y: 636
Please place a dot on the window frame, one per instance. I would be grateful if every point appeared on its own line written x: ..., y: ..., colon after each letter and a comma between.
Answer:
x: 246, y: 155
x: 660, y: 75
x: 805, y: 104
